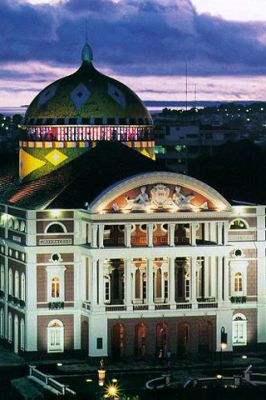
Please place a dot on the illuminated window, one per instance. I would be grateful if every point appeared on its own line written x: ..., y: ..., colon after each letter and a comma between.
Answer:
x: 56, y: 283
x: 238, y: 224
x: 10, y: 281
x: 10, y: 322
x: 239, y: 330
x: 23, y: 287
x: 16, y: 284
x: 55, y: 290
x: 16, y: 224
x: 22, y: 334
x: 2, y: 277
x: 22, y: 226
x: 238, y: 282
x: 55, y: 337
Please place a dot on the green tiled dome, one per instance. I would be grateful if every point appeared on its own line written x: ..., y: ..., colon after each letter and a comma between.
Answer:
x: 87, y: 97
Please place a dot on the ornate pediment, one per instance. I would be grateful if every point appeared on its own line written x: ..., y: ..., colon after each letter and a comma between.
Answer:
x: 160, y: 192
x: 160, y: 197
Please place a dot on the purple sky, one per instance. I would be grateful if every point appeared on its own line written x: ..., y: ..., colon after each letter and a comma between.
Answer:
x: 144, y: 43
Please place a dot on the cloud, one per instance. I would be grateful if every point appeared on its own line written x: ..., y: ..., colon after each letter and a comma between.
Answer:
x: 130, y: 38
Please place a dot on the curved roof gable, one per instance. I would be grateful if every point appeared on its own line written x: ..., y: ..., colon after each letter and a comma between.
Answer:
x: 159, y: 191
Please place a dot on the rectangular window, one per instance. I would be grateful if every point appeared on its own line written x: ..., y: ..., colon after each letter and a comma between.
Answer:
x: 107, y: 291
x: 144, y: 291
x: 166, y: 289
x: 99, y: 343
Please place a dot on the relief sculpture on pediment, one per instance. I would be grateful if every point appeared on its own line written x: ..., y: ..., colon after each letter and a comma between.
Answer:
x: 161, y: 197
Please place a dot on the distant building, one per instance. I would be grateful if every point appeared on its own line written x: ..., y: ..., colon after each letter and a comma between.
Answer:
x: 177, y: 143
x: 105, y: 253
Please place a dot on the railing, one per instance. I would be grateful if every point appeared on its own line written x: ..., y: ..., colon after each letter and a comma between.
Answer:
x: 145, y: 307
x: 51, y: 383
x: 116, y: 308
x: 238, y: 237
x: 140, y: 307
x: 181, y: 306
x: 162, y: 306
x: 207, y: 305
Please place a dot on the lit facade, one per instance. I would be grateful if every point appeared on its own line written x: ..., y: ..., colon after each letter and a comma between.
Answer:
x: 102, y: 252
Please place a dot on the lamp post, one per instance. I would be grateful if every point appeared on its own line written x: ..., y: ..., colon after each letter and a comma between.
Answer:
x: 223, y: 344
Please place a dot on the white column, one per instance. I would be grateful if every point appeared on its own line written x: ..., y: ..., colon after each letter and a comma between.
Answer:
x: 206, y: 277
x: 193, y: 280
x: 133, y: 286
x: 150, y: 235
x: 93, y: 281
x: 226, y: 230
x: 213, y: 276
x: 226, y: 279
x: 220, y: 233
x: 213, y: 236
x: 220, y: 279
x: 127, y: 271
x: 77, y: 332
x: 171, y: 233
x: 193, y: 233
x: 172, y: 282
x: 101, y: 235
x: 94, y: 229
x: 206, y: 231
x: 101, y: 282
x: 150, y: 288
x: 31, y: 305
x: 128, y: 235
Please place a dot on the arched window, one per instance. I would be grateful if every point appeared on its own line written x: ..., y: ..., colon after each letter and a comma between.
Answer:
x: 10, y: 223
x: 239, y: 330
x: 22, y: 226
x: 2, y: 277
x: 23, y: 287
x: 56, y: 228
x: 55, y: 289
x: 10, y: 282
x: 16, y: 284
x: 22, y: 334
x: 55, y: 336
x: 140, y: 339
x: 16, y: 225
x: 238, y: 224
x: 10, y: 333
x: 2, y: 322
x: 238, y: 282
x: 161, y: 337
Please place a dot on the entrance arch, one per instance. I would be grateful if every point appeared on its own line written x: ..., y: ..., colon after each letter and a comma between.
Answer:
x: 118, y: 341
x: 183, y: 338
x: 55, y: 336
x: 206, y: 335
x: 161, y: 337
x: 140, y: 340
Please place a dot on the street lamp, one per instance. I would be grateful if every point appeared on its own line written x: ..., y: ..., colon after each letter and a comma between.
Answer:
x: 112, y: 391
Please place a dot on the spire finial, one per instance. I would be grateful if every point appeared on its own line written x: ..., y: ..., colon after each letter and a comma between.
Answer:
x: 86, y: 54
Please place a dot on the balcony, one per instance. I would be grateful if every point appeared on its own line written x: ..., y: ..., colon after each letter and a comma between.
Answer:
x: 56, y: 305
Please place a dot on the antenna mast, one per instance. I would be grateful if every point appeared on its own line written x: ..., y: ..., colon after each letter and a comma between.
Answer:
x: 186, y: 86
